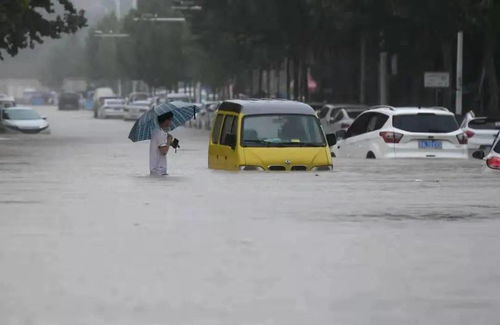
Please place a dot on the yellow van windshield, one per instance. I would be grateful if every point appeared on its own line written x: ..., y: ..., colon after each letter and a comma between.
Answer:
x: 282, y: 131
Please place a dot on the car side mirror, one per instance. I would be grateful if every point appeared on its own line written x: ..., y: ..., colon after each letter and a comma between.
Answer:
x: 479, y: 155
x: 331, y: 139
x: 230, y: 140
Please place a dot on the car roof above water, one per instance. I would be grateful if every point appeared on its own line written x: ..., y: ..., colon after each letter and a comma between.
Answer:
x: 410, y: 110
x: 266, y: 107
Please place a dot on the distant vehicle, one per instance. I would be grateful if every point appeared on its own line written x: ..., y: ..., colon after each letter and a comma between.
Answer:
x: 268, y: 135
x: 388, y: 132
x: 99, y: 94
x: 337, y: 119
x: 135, y: 110
x: 493, y: 157
x: 24, y: 120
x: 134, y: 97
x: 481, y: 131
x: 6, y: 102
x: 205, y: 115
x: 111, y: 107
x: 69, y: 101
x: 179, y: 97
x: 36, y: 97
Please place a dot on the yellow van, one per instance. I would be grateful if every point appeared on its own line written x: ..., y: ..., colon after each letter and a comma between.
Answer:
x: 268, y: 135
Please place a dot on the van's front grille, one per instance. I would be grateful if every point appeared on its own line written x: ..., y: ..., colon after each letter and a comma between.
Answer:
x: 299, y: 168
x: 277, y: 168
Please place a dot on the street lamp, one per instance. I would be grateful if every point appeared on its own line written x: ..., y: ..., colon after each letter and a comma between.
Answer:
x: 111, y: 34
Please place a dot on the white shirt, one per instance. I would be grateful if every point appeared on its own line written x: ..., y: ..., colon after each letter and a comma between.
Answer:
x: 157, y: 160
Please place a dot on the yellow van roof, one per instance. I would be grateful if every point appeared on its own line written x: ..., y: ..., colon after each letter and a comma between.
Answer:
x: 266, y: 106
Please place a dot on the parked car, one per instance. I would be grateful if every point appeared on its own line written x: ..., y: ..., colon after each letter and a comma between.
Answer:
x: 136, y: 96
x: 481, y: 131
x: 410, y: 132
x: 205, y: 115
x: 24, y: 120
x: 134, y: 110
x: 99, y: 95
x: 337, y: 119
x: 6, y: 102
x: 493, y: 157
x: 271, y: 135
x: 69, y: 101
x: 111, y: 107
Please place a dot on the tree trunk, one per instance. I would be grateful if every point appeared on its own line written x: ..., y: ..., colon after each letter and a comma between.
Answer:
x: 296, y: 79
x: 446, y: 49
x: 491, y: 76
x: 288, y: 66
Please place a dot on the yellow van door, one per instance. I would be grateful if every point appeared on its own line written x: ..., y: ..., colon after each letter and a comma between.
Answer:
x: 214, y: 161
x: 229, y: 151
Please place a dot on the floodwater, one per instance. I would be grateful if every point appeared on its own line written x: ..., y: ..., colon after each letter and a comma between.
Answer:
x: 87, y: 238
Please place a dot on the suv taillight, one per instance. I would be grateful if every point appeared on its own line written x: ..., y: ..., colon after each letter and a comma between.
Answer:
x: 493, y: 163
x: 469, y: 134
x: 391, y: 137
x: 462, y: 138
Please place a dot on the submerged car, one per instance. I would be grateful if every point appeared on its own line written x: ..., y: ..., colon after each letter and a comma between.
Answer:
x: 69, y: 101
x: 268, y: 135
x: 493, y: 157
x: 24, y: 120
x: 337, y: 119
x: 133, y: 111
x: 112, y: 107
x: 481, y: 131
x: 385, y: 132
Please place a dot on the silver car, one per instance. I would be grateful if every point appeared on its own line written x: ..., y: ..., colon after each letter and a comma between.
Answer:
x: 23, y: 120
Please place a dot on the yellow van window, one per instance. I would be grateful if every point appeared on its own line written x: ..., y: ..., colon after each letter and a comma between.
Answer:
x: 229, y: 128
x: 216, y: 130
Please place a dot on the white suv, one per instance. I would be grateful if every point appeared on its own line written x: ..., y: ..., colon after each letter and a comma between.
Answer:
x: 408, y: 132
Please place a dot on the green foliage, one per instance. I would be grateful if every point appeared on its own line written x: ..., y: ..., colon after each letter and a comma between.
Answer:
x: 23, y: 23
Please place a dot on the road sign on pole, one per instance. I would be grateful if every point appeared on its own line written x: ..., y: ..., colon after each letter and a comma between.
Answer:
x: 437, y: 80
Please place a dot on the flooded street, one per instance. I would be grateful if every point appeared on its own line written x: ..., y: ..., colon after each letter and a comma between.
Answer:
x: 87, y: 238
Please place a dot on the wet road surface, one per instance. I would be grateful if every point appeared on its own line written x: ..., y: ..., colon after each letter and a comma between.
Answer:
x: 87, y: 238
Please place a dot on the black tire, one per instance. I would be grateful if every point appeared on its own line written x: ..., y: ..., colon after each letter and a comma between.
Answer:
x: 370, y: 155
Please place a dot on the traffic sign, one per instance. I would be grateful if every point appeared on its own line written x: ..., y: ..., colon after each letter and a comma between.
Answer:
x: 437, y: 80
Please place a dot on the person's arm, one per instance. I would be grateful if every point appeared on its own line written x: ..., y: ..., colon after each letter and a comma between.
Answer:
x: 164, y: 149
x: 165, y: 146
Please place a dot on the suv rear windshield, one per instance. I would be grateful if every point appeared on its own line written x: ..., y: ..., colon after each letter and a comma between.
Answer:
x: 485, y: 124
x: 426, y: 123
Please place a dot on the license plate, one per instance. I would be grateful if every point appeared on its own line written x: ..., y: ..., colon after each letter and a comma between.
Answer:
x: 430, y: 144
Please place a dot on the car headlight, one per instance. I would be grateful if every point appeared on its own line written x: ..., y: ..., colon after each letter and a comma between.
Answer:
x: 252, y: 168
x: 328, y: 168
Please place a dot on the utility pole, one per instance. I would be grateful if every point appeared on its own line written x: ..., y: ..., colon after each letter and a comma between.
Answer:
x: 362, y: 78
x: 460, y: 66
x: 383, y: 78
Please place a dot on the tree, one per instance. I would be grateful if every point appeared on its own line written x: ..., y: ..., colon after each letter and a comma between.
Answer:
x: 25, y: 23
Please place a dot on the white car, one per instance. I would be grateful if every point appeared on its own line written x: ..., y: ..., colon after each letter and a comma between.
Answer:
x: 336, y: 119
x: 135, y: 110
x: 24, y: 120
x: 6, y: 102
x: 112, y: 107
x: 205, y: 115
x: 493, y: 157
x: 385, y: 132
x: 481, y: 131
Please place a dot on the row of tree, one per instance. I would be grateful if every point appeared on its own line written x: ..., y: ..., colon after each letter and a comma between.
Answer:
x: 278, y: 47
x: 340, y: 42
